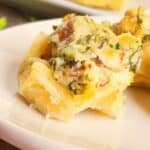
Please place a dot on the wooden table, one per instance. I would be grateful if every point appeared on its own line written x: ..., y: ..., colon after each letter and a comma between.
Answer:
x: 6, y: 146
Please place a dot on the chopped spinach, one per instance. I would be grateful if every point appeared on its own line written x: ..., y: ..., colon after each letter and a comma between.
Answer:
x: 53, y: 44
x: 111, y: 45
x: 133, y: 65
x: 117, y: 46
x: 77, y: 87
x: 54, y: 27
x: 70, y: 63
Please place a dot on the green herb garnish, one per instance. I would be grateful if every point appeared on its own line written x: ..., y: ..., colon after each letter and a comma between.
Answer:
x: 54, y: 27
x: 117, y: 46
x: 71, y: 63
x: 133, y: 65
x: 85, y: 49
x: 32, y: 19
x: 111, y: 45
x: 76, y: 87
x: 53, y: 44
x: 87, y: 77
x: 53, y: 64
x: 3, y: 23
x: 84, y: 40
x: 88, y: 48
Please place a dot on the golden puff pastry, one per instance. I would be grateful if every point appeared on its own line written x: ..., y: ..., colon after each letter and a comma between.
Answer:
x: 81, y: 65
x: 137, y: 22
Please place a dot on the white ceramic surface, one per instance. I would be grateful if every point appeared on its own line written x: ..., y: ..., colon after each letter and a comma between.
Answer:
x: 55, y: 8
x: 69, y: 4
x: 28, y: 129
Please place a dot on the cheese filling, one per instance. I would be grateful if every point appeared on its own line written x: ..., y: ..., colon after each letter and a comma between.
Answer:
x: 85, y: 53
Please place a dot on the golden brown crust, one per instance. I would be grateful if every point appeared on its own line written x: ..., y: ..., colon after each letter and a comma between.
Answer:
x: 142, y: 77
x: 132, y: 22
x: 40, y: 47
x: 38, y: 86
x: 137, y: 22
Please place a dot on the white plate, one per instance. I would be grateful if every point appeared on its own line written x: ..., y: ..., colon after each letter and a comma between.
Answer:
x: 60, y: 7
x: 28, y: 129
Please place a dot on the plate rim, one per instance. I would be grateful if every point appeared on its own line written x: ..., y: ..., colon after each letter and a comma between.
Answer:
x: 29, y: 25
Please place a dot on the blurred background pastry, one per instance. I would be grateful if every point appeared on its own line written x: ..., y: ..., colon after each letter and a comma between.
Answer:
x: 105, y: 4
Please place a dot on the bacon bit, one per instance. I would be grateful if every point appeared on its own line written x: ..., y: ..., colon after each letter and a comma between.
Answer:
x: 90, y: 66
x: 101, y: 64
x: 97, y: 61
x: 103, y: 43
x: 83, y: 67
x: 122, y: 54
x: 66, y: 32
x: 83, y: 61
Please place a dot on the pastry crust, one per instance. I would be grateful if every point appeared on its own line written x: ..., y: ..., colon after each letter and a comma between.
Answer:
x: 142, y: 77
x: 43, y: 92
x: 38, y: 85
x: 137, y: 22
